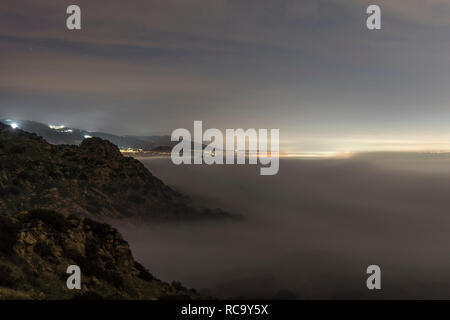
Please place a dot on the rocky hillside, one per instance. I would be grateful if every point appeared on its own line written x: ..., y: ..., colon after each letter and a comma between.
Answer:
x: 37, y: 246
x: 47, y: 194
x: 91, y: 179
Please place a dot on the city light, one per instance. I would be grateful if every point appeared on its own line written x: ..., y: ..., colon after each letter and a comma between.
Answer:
x: 14, y: 125
x: 54, y: 127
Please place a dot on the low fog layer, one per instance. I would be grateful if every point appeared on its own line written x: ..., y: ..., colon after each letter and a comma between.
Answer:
x: 310, y: 231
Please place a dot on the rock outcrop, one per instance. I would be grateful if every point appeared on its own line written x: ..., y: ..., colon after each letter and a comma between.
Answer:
x: 37, y: 246
x: 48, y: 195
x: 91, y: 179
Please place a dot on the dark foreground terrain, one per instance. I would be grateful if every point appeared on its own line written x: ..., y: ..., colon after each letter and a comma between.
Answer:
x: 50, y: 196
x: 36, y: 247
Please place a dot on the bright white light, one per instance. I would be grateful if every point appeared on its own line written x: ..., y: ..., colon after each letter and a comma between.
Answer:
x: 14, y: 125
x: 87, y: 137
x: 51, y: 126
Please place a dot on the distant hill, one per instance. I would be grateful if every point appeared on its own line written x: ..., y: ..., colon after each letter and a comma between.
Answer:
x: 65, y: 135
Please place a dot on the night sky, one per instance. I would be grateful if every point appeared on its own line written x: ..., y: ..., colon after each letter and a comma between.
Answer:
x: 310, y: 68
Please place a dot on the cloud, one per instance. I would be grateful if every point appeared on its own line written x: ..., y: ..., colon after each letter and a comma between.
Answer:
x: 308, y: 67
x: 432, y: 12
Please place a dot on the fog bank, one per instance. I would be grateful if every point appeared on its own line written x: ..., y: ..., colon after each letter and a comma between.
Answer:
x: 310, y: 231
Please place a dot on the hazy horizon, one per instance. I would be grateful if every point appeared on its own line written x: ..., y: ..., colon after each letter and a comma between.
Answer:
x: 371, y: 145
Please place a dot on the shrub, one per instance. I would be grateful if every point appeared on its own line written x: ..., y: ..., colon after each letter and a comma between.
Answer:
x: 83, y: 176
x: 51, y: 218
x: 73, y: 216
x: 144, y: 274
x: 92, y: 267
x: 69, y: 154
x: 92, y: 250
x: 99, y: 229
x: 43, y: 249
x: 177, y: 285
x: 16, y: 149
x: 113, y: 278
x: 135, y: 198
x: 110, y: 189
x: 12, y: 190
x: 7, y: 277
x: 8, y: 235
x: 94, y: 207
x: 31, y: 276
